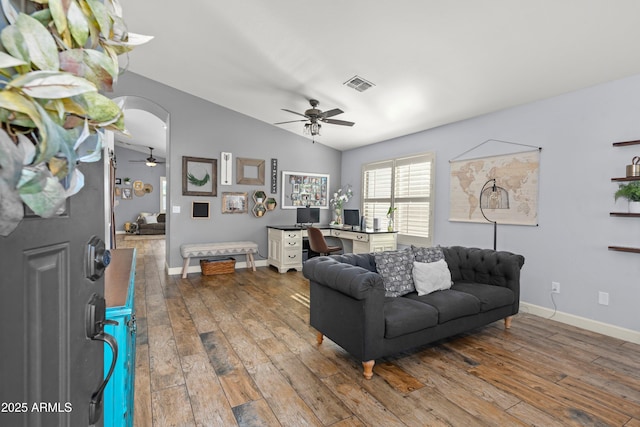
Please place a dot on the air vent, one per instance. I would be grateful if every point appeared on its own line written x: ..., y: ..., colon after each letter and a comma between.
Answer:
x: 358, y: 83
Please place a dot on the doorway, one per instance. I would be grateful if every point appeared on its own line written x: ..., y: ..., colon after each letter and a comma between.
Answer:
x: 147, y: 185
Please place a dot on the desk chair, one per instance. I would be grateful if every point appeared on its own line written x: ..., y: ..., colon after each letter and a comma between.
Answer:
x: 318, y: 244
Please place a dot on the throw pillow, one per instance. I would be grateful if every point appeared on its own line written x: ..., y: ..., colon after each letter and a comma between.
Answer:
x: 150, y: 219
x: 431, y: 276
x: 430, y: 254
x: 395, y: 268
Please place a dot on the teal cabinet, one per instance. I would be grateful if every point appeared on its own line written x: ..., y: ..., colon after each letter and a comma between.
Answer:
x: 119, y: 296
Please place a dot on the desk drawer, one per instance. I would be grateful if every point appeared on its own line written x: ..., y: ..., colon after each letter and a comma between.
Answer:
x: 350, y: 235
x: 291, y: 243
x: 292, y: 257
x: 292, y: 234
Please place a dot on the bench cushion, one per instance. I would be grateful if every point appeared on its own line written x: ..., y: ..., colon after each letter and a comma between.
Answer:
x: 221, y: 248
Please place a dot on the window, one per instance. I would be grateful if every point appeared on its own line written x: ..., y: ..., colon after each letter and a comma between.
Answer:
x: 163, y: 194
x: 407, y: 185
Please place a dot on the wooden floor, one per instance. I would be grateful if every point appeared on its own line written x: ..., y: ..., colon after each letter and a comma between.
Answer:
x: 238, y: 350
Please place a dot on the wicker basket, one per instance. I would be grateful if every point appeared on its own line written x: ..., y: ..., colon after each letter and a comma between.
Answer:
x: 217, y: 266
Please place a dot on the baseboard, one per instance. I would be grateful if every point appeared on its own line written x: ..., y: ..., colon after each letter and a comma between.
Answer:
x: 172, y: 271
x: 582, y: 322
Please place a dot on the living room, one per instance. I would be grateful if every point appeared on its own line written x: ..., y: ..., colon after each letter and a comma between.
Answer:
x: 574, y: 130
x: 246, y: 335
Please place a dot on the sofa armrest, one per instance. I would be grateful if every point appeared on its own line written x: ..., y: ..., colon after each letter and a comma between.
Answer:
x: 347, y: 305
x: 357, y: 282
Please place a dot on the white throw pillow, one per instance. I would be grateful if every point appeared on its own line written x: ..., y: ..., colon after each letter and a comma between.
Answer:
x: 431, y: 276
x: 151, y: 219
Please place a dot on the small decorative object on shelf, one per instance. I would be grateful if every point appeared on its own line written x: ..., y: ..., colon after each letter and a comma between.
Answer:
x: 633, y: 170
x: 259, y: 207
x: 390, y: 222
x: 629, y: 191
x: 271, y: 203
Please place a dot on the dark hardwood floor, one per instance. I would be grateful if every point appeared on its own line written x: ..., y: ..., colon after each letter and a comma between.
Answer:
x: 237, y: 349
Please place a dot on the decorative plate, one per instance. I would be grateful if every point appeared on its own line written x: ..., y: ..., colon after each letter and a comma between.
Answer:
x: 138, y: 185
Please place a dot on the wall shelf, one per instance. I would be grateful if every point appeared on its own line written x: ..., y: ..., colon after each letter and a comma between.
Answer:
x: 625, y: 214
x: 628, y: 178
x: 625, y: 143
x: 624, y: 249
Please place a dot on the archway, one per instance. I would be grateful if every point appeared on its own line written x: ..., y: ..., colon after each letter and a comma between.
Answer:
x: 148, y: 122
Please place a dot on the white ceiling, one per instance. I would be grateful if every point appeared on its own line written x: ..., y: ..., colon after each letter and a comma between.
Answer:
x: 433, y: 61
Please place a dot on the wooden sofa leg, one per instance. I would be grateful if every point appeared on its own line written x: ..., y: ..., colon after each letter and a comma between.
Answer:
x: 507, y: 322
x: 319, y: 338
x: 368, y: 368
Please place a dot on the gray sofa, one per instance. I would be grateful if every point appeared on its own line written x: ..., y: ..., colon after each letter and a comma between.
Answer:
x: 349, y: 306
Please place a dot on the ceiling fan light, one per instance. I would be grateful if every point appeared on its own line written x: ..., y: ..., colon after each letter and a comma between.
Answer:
x: 315, y: 129
x: 151, y: 164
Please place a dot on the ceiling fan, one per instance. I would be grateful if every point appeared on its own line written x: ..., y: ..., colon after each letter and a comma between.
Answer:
x: 149, y: 161
x: 314, y: 116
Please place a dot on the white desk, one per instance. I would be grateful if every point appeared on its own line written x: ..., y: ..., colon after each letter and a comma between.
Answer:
x: 286, y: 243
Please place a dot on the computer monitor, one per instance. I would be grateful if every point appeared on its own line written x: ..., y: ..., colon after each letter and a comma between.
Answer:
x: 352, y: 217
x: 308, y: 215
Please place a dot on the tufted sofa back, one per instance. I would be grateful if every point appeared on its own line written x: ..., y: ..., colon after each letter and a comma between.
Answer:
x: 497, y: 268
x: 367, y: 261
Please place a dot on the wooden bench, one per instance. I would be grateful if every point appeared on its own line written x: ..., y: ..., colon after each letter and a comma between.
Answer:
x: 198, y: 250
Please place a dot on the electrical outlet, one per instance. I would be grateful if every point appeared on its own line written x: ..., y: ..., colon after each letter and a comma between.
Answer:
x: 603, y: 298
x: 555, y: 287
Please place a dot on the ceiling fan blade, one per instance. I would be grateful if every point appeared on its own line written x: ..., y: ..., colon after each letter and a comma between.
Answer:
x: 294, y: 112
x: 332, y: 113
x: 338, y: 122
x: 291, y: 121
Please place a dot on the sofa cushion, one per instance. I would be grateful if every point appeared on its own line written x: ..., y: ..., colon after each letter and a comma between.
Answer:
x: 403, y: 316
x: 395, y: 267
x: 427, y: 254
x: 451, y: 304
x: 431, y: 276
x: 150, y: 219
x: 490, y: 297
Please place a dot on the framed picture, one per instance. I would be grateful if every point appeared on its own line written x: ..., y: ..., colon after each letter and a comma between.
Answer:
x: 249, y: 171
x: 301, y: 189
x: 235, y: 202
x: 200, y: 210
x: 127, y: 193
x: 199, y: 176
x: 118, y: 181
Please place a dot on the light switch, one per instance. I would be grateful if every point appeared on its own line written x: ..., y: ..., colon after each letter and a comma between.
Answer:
x: 175, y: 209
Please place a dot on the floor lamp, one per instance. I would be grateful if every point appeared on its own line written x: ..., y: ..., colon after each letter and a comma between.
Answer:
x: 493, y: 197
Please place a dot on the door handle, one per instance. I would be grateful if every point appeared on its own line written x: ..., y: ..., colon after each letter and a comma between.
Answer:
x: 95, y: 318
x: 96, y: 258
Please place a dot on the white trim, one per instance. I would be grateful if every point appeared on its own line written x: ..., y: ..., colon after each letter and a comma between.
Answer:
x: 582, y: 322
x: 172, y: 271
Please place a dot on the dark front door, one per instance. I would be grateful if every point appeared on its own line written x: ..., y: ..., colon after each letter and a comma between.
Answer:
x: 49, y: 369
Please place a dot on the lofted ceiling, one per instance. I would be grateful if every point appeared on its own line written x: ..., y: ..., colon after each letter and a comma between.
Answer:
x: 432, y: 62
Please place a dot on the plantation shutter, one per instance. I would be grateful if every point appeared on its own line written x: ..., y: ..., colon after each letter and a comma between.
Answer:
x: 412, y: 198
x: 377, y: 186
x: 405, y: 184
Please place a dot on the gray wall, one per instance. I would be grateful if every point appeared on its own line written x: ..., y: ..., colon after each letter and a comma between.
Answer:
x: 128, y: 210
x: 569, y: 246
x: 201, y: 129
